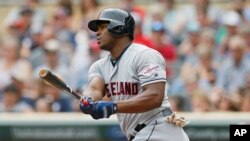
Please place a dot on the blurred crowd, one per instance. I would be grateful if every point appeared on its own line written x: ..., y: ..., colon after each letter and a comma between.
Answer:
x: 206, y: 48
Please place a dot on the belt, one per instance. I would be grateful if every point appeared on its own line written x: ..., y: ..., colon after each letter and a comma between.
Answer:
x: 139, y: 127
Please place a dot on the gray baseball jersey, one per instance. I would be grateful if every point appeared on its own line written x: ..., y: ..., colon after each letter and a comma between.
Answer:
x: 137, y: 66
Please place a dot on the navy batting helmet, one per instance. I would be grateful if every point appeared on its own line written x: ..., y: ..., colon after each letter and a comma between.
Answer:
x: 121, y: 23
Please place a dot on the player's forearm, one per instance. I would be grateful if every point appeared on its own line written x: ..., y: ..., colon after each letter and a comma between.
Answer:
x: 95, y: 94
x: 95, y: 89
x: 140, y: 104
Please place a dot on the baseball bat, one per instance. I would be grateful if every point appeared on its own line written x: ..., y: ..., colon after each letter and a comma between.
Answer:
x: 52, y: 79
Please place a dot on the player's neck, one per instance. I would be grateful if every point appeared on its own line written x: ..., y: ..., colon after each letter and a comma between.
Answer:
x: 119, y: 48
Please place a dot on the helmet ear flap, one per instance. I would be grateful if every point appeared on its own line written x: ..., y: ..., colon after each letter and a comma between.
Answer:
x: 126, y: 29
x: 118, y: 28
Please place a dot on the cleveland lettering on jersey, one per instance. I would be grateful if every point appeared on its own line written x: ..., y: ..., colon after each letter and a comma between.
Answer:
x: 121, y: 88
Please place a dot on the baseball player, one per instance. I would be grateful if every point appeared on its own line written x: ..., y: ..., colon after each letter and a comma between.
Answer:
x: 133, y: 76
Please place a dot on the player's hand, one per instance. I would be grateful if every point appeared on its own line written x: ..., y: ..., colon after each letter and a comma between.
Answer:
x: 178, y: 121
x: 86, y: 104
x: 103, y: 109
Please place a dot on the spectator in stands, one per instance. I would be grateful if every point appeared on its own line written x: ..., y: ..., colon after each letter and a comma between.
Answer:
x: 39, y: 39
x: 21, y: 26
x: 79, y: 71
x: 240, y: 6
x: 66, y: 6
x: 58, y: 101
x: 201, y: 103
x: 64, y: 33
x: 227, y: 103
x: 62, y: 25
x: 198, y: 77
x: 204, y: 20
x: 245, y: 102
x: 35, y: 92
x: 32, y: 48
x: 231, y: 22
x: 12, y: 100
x: 48, y: 32
x: 89, y: 10
x: 205, y: 7
x: 176, y: 103
x: 244, y: 31
x: 161, y: 43
x: 233, y: 71
x: 207, y: 37
x: 38, y: 85
x: 38, y: 19
x: 25, y: 89
x: 244, y: 92
x: 186, y: 50
x: 154, y: 13
x: 85, y: 44
x: 174, y: 21
x: 130, y: 6
x: 31, y: 42
x: 62, y: 17
x: 205, y: 68
x: 185, y: 85
x: 139, y: 37
x: 43, y: 105
x: 52, y: 60
x: 11, y: 65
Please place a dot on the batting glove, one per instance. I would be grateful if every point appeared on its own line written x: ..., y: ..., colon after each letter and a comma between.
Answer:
x: 103, y: 109
x: 86, y: 104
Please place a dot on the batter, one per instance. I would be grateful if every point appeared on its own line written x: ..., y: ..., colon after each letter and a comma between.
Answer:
x: 133, y: 76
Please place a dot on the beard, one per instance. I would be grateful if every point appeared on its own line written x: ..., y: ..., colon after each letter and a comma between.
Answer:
x: 108, y: 43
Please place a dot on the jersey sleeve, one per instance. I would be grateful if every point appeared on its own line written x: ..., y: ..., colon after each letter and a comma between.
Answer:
x: 151, y: 67
x: 94, y: 71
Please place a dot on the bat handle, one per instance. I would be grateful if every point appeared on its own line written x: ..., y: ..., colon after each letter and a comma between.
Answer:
x: 85, y: 102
